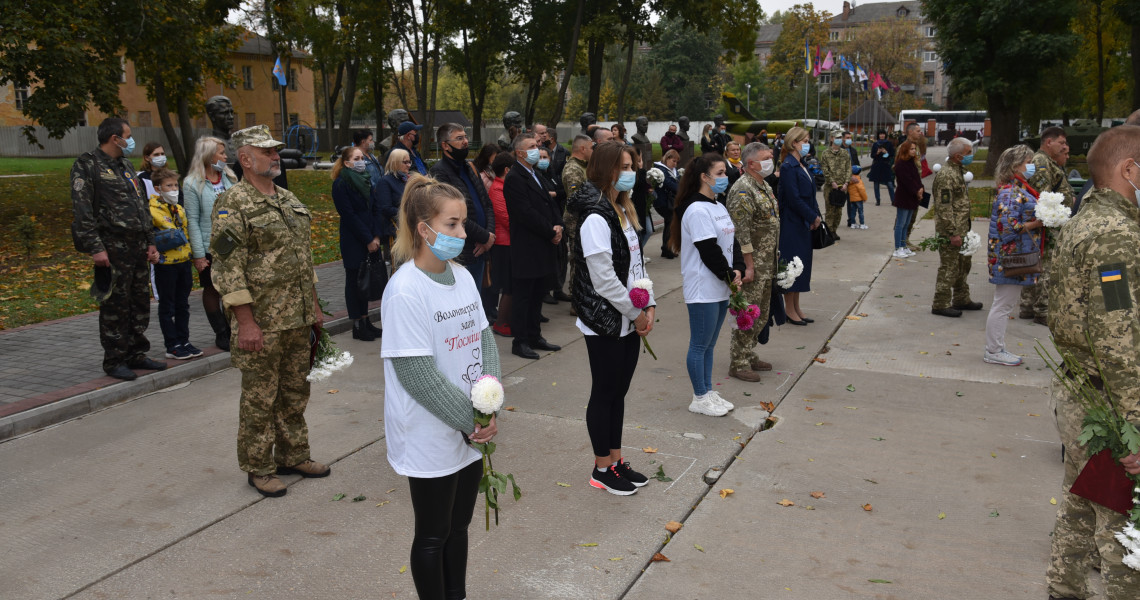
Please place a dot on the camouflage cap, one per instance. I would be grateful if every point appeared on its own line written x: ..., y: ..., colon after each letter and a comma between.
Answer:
x: 257, y: 136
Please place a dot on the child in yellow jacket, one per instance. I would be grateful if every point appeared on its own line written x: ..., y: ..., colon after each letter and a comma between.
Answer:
x: 856, y: 196
x: 172, y: 275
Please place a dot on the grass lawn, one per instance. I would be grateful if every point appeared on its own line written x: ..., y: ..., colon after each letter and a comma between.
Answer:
x: 981, y: 203
x: 52, y: 281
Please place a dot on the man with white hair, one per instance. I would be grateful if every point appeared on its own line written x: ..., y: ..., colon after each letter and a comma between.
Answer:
x: 952, y: 221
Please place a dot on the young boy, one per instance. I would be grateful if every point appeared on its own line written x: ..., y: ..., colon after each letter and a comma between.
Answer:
x: 172, y: 275
x: 857, y: 194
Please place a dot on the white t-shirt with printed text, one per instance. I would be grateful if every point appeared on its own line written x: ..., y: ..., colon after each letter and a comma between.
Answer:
x: 595, y: 235
x: 704, y: 220
x: 425, y: 318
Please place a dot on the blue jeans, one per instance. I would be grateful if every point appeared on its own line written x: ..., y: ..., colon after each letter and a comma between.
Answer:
x: 890, y: 190
x: 705, y: 320
x: 902, y: 221
x: 853, y: 209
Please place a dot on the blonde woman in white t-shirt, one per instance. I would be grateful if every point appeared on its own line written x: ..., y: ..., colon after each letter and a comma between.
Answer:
x: 437, y: 343
x: 705, y: 237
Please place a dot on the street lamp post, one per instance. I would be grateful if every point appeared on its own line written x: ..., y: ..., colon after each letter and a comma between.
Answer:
x: 748, y: 101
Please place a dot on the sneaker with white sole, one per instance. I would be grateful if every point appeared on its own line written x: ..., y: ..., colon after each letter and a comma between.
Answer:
x: 707, y: 405
x: 907, y: 252
x: 898, y: 253
x: 864, y: 226
x: 191, y: 350
x: 720, y: 400
x: 178, y: 353
x: 611, y: 481
x: 1005, y: 358
x: 853, y: 226
x: 627, y: 472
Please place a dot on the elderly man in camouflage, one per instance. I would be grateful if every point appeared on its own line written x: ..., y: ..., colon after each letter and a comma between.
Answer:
x: 756, y: 216
x: 573, y: 176
x: 952, y: 221
x: 1048, y: 176
x: 112, y: 224
x: 264, y: 270
x: 1096, y: 277
x: 836, y: 165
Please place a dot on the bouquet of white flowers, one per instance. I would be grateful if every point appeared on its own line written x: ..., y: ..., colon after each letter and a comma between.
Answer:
x: 791, y: 269
x: 655, y: 177
x: 329, y: 359
x: 680, y: 173
x: 971, y: 242
x: 1050, y: 210
x: 486, y: 400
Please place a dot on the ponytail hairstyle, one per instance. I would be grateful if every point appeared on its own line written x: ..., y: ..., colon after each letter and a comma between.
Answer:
x: 344, y: 155
x: 689, y: 187
x: 602, y: 171
x: 423, y: 200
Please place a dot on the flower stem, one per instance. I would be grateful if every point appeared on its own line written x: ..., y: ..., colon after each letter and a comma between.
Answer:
x: 648, y: 348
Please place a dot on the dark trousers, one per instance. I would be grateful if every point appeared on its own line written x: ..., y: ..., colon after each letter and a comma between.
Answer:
x: 443, y: 507
x: 612, y: 362
x: 668, y: 216
x: 563, y: 265
x: 527, y: 296
x: 357, y: 303
x: 173, y: 283
x: 125, y: 314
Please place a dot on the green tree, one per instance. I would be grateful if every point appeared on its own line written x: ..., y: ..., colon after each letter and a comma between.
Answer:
x: 478, y: 53
x: 988, y: 44
x: 687, y: 62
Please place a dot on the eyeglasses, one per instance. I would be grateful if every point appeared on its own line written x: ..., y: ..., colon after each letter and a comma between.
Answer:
x: 407, y: 162
x: 461, y: 138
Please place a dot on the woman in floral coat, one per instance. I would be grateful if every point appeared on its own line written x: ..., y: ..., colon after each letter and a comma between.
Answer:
x: 1013, y: 229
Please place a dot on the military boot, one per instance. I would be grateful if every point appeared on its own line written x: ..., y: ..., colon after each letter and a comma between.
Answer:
x: 267, y: 485
x: 307, y: 468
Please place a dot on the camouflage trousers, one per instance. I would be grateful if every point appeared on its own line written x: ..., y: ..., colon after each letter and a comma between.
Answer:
x: 1035, y: 298
x: 125, y: 314
x: 758, y: 292
x: 569, y: 234
x: 274, y: 393
x: 832, y: 216
x: 951, y: 282
x: 1084, y: 529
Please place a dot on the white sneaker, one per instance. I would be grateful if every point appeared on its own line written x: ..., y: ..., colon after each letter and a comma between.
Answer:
x: 907, y: 252
x: 898, y: 253
x: 853, y: 226
x: 706, y: 405
x: 646, y: 259
x: 1002, y: 358
x: 862, y: 227
x: 719, y: 400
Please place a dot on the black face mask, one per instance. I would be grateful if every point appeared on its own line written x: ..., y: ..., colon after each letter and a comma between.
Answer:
x: 415, y: 139
x: 458, y: 153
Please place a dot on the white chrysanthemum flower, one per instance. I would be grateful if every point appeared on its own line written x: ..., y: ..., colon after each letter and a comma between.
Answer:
x: 1129, y: 540
x: 655, y: 176
x: 645, y: 284
x: 487, y: 395
x: 970, y: 244
x: 1050, y: 209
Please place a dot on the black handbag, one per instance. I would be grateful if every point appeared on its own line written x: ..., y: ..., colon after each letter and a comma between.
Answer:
x: 837, y: 197
x: 372, y: 277
x: 822, y: 237
x: 925, y: 202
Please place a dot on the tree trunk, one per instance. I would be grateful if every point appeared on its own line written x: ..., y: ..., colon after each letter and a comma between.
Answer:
x: 182, y: 153
x: 352, y: 68
x: 1005, y: 120
x: 185, y: 124
x: 429, y: 118
x: 476, y: 91
x: 596, y: 51
x: 378, y: 101
x: 1099, y: 63
x: 560, y: 105
x: 631, y: 41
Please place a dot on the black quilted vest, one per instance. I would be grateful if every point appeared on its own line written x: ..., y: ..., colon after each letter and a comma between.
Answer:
x: 595, y: 311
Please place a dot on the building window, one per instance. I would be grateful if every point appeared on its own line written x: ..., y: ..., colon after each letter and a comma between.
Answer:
x: 929, y: 57
x: 928, y: 78
x: 122, y: 69
x: 144, y: 119
x: 276, y: 121
x: 292, y: 80
x: 928, y: 97
x: 247, y: 77
x: 294, y: 119
x: 902, y: 12
x: 250, y: 119
x: 929, y: 31
x: 21, y: 98
x: 833, y: 36
x: 824, y: 78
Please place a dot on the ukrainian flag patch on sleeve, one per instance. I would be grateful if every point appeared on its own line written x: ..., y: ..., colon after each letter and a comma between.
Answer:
x: 1114, y: 286
x: 223, y: 213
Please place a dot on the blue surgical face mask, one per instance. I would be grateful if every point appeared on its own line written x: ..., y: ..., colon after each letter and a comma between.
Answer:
x: 130, y: 147
x: 625, y: 181
x: 543, y: 163
x: 804, y: 149
x: 1030, y: 170
x: 837, y: 141
x: 158, y: 161
x: 721, y: 184
x: 532, y: 156
x: 966, y: 160
x: 446, y: 247
x: 847, y: 142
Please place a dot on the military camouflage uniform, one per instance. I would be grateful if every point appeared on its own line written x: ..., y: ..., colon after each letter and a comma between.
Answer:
x: 1097, y: 276
x: 112, y: 215
x: 836, y: 165
x: 1050, y: 177
x: 260, y: 246
x: 756, y: 216
x: 573, y: 176
x: 951, y: 219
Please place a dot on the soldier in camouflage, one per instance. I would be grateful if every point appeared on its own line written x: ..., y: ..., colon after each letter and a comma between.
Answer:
x: 112, y: 224
x: 263, y: 268
x: 952, y: 221
x: 1049, y: 176
x: 756, y: 216
x: 836, y: 165
x: 1096, y: 275
x: 573, y: 176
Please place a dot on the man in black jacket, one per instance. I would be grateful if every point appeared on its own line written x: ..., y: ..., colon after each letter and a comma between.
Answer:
x: 453, y: 169
x: 536, y: 231
x: 407, y: 140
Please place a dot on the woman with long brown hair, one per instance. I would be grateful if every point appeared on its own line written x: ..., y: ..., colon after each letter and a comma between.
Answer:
x: 907, y: 195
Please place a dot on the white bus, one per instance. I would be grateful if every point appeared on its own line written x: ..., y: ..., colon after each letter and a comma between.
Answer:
x: 946, y: 122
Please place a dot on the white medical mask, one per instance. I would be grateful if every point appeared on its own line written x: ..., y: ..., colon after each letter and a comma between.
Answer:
x: 158, y: 161
x: 766, y: 167
x: 219, y: 166
x: 360, y: 166
x: 1137, y: 192
x: 170, y: 197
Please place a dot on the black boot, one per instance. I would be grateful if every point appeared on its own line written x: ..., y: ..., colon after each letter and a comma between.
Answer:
x: 360, y: 331
x: 376, y: 331
x: 221, y: 327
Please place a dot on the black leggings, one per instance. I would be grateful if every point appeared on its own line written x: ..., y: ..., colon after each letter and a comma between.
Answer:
x: 612, y: 362
x: 443, y: 508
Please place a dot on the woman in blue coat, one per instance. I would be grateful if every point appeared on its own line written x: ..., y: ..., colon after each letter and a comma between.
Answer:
x: 799, y: 215
x: 387, y: 194
x: 352, y: 193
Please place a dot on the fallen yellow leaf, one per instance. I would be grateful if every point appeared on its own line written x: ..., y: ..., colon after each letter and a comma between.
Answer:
x: 333, y: 391
x: 923, y: 352
x: 1053, y: 501
x: 725, y: 492
x: 698, y: 547
x: 851, y: 407
x: 404, y: 569
x: 992, y: 455
x: 941, y: 516
x: 767, y: 406
x: 852, y: 318
x: 818, y: 495
x: 867, y: 507
x: 786, y: 502
x: 659, y: 558
x: 383, y: 503
x: 649, y: 450
x: 820, y: 360
x: 808, y: 408
x: 588, y: 545
x: 673, y: 526
x: 736, y: 438
x: 562, y: 484
x: 1034, y: 415
x: 616, y: 558
x: 510, y: 408
x: 809, y: 507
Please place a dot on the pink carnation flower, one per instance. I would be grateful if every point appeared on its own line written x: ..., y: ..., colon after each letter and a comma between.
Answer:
x: 639, y: 297
x: 754, y: 311
x: 744, y: 322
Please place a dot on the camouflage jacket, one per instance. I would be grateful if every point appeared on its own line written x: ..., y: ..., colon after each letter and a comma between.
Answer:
x: 950, y: 196
x: 756, y: 216
x: 573, y: 175
x: 836, y: 165
x: 108, y: 199
x: 1050, y: 177
x: 260, y: 246
x: 1094, y: 287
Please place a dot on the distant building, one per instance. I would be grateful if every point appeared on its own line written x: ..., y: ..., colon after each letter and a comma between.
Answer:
x: 931, y: 85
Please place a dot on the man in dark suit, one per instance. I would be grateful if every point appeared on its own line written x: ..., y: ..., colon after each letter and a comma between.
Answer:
x: 453, y: 169
x: 536, y: 230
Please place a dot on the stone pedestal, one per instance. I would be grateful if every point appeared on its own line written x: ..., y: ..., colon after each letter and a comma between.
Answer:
x: 645, y: 151
x: 686, y: 154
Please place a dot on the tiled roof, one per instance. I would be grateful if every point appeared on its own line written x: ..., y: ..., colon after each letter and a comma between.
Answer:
x: 875, y: 11
x: 254, y: 43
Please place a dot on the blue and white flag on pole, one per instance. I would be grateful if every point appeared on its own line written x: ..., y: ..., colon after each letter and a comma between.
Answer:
x: 279, y: 72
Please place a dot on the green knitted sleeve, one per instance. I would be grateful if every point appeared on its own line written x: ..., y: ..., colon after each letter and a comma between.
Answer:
x: 491, y: 355
x: 428, y: 386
